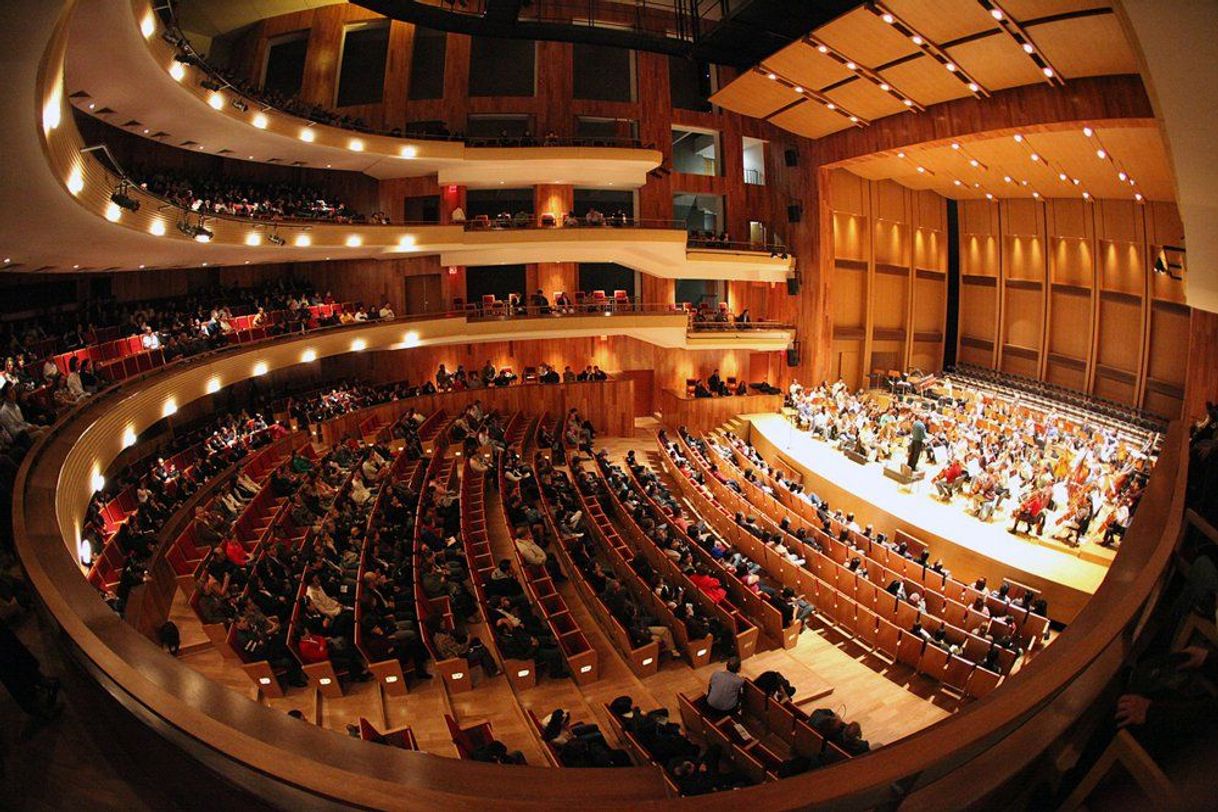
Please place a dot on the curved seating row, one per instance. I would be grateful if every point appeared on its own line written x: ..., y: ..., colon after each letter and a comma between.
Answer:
x: 743, y: 632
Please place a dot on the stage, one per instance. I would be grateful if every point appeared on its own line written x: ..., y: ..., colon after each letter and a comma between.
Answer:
x: 968, y: 546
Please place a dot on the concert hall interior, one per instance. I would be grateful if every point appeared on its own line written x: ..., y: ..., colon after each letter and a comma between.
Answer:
x: 513, y: 404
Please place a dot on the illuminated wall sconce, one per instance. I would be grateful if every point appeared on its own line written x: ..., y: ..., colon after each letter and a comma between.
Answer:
x: 98, y: 481
x: 253, y: 238
x: 648, y: 660
x: 213, y: 386
x: 406, y: 243
x: 355, y: 145
x: 302, y: 241
x: 358, y: 345
x: 113, y: 212
x: 409, y: 151
x: 411, y: 339
x: 522, y: 673
x: 76, y: 181
x: 307, y: 135
x: 308, y: 356
x: 157, y: 228
x: 458, y: 675
x: 147, y: 26
x: 355, y: 241
x: 391, y: 679
x: 260, y: 369
x: 584, y: 669
x: 324, y: 681
x: 171, y: 406
x: 260, y: 121
x: 128, y: 437
x: 216, y: 101
x: 264, y: 680
x: 177, y: 71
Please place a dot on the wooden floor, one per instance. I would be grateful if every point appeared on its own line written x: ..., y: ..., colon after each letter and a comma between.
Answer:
x: 828, y: 670
x: 1066, y: 576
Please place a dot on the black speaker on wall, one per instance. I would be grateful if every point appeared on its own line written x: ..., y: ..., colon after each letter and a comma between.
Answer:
x: 793, y: 356
x: 794, y: 213
x: 791, y: 157
x: 792, y: 285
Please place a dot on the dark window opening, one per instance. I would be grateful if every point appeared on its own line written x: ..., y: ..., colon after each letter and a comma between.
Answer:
x: 606, y: 201
x: 427, y: 64
x: 602, y: 72
x: 493, y: 202
x: 361, y: 78
x: 502, y: 67
x: 606, y: 276
x: 285, y: 63
x: 500, y: 281
x: 423, y: 209
x: 690, y: 84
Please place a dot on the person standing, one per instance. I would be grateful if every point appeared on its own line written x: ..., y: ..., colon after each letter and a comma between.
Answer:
x: 917, y: 438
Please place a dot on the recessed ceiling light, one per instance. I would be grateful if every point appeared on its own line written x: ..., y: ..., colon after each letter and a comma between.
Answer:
x: 989, y: 196
x: 260, y: 121
x: 1087, y: 131
x: 823, y: 49
x: 307, y: 135
x: 1048, y: 72
x: 996, y: 13
x: 973, y: 86
x: 888, y: 18
x: 1018, y: 138
x: 951, y: 66
x: 76, y: 267
x: 851, y: 66
x: 917, y: 40
x: 855, y: 119
x: 798, y: 89
x: 921, y: 169
x: 1034, y: 157
x: 1137, y: 196
x: 1099, y: 153
x: 900, y: 154
x: 831, y: 106
x: 1027, y: 48
x: 91, y: 105
x: 771, y: 76
x: 955, y: 145
x: 141, y: 267
x: 884, y: 87
x: 957, y: 183
x: 974, y: 162
x: 907, y: 102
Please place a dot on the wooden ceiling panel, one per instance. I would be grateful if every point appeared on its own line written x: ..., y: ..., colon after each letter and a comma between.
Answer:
x: 925, y: 81
x: 863, y: 37
x: 1136, y: 148
x: 1024, y: 10
x: 865, y: 100
x: 996, y: 62
x: 803, y: 64
x: 1085, y: 46
x: 943, y: 20
x: 752, y: 94
x: 811, y: 119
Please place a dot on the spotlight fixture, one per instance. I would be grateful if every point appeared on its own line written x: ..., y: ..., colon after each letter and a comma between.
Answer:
x: 196, y: 231
x: 240, y: 105
x: 123, y: 200
x: 275, y: 239
x: 212, y: 85
x: 187, y: 59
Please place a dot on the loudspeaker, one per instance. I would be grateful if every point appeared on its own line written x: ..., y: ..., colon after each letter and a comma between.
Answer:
x: 793, y: 357
x: 791, y: 157
x: 794, y: 213
x: 792, y: 285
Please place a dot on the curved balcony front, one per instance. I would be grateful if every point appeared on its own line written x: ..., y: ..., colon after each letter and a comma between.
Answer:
x: 117, y: 56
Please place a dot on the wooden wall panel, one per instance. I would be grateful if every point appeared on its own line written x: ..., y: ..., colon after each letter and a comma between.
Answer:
x: 889, y: 282
x: 1079, y: 304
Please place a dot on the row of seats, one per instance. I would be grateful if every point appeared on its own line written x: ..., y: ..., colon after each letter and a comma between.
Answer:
x: 582, y: 660
x: 872, y: 618
x: 744, y: 632
x: 946, y: 597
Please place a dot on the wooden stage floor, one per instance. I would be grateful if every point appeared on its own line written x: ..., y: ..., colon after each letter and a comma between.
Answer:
x: 968, y: 546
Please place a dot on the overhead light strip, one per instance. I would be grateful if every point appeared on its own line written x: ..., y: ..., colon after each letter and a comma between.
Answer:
x: 865, y: 72
x: 927, y: 47
x: 1024, y: 40
x: 814, y: 95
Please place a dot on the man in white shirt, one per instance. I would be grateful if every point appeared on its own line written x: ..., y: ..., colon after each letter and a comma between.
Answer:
x: 386, y: 311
